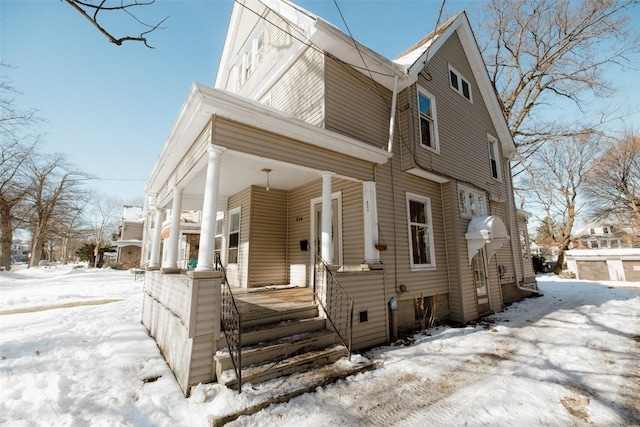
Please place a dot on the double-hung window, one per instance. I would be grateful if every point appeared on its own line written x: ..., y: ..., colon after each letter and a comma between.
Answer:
x: 494, y: 158
x: 234, y: 236
x: 459, y: 83
x: 471, y: 202
x: 421, y: 250
x: 248, y: 59
x: 428, y: 124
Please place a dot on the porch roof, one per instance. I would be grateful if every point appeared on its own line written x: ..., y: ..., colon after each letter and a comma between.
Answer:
x: 203, y: 102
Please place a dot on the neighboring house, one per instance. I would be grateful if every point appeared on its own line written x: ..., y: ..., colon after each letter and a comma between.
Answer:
x: 20, y: 253
x: 602, y: 236
x: 618, y: 265
x: 128, y: 240
x: 394, y: 172
x: 604, y: 251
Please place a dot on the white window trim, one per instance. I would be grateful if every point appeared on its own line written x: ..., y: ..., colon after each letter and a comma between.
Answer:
x: 249, y: 58
x: 427, y: 202
x: 467, y: 191
x: 434, y: 119
x: 493, y: 144
x: 460, y: 80
x: 229, y: 231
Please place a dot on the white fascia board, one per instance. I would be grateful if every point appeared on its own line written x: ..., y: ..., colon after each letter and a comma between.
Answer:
x: 204, y: 102
x: 336, y: 43
x: 479, y: 68
x: 429, y: 49
x: 223, y: 74
x: 472, y: 51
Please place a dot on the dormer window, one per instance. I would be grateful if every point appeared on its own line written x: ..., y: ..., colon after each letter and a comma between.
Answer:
x: 459, y: 83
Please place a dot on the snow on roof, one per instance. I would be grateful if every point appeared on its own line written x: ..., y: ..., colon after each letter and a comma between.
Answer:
x: 132, y: 213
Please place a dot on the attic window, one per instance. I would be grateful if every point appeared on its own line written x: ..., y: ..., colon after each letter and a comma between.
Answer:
x: 459, y: 84
x: 249, y: 57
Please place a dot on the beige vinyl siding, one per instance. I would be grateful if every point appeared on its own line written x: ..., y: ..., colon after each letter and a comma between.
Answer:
x: 276, y: 43
x: 237, y: 274
x: 462, y: 126
x: 300, y: 90
x: 392, y: 218
x: 452, y: 244
x: 267, y: 245
x: 354, y: 105
x: 367, y: 290
x: 251, y: 140
x: 352, y: 221
x: 467, y: 296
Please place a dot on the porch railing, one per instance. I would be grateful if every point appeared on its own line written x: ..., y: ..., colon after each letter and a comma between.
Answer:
x: 335, y: 302
x: 231, y: 321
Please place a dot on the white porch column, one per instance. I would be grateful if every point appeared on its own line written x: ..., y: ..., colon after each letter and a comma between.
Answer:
x: 370, y: 224
x: 174, y: 232
x: 326, y: 244
x: 209, y: 211
x: 154, y: 262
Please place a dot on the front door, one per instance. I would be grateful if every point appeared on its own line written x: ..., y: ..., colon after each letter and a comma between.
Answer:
x: 479, y: 264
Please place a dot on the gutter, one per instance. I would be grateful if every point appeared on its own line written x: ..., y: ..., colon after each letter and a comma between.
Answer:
x: 513, y: 249
x: 392, y: 119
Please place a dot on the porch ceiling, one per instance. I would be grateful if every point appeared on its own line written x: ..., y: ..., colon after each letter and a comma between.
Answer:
x: 283, y: 176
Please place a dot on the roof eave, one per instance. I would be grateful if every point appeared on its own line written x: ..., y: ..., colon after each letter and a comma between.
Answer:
x: 204, y: 102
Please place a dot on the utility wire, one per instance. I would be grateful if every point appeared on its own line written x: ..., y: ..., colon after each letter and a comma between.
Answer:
x: 356, y: 46
x: 306, y: 42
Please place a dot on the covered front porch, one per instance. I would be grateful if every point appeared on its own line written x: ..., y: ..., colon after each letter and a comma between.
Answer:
x: 267, y: 203
x: 265, y: 198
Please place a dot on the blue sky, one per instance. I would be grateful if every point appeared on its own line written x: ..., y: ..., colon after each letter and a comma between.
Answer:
x: 110, y: 108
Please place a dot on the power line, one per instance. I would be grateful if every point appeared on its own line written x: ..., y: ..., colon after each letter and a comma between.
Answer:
x: 306, y: 42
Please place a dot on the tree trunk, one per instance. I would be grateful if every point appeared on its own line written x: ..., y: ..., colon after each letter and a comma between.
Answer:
x: 6, y: 234
x: 36, y: 251
x: 557, y: 269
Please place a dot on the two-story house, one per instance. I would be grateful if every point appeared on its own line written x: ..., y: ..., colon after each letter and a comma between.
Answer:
x: 128, y: 239
x: 317, y: 163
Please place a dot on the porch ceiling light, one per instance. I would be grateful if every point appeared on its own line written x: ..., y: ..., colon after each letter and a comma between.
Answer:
x: 267, y: 171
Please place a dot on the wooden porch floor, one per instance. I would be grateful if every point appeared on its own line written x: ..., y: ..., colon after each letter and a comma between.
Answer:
x: 263, y: 302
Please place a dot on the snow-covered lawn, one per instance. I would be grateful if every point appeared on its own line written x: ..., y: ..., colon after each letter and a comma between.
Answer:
x: 73, y: 352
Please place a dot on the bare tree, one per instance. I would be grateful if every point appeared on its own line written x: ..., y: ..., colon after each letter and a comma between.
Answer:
x: 558, y: 177
x: 53, y: 188
x: 543, y: 52
x: 93, y: 10
x: 614, y: 182
x: 102, y: 218
x: 14, y: 152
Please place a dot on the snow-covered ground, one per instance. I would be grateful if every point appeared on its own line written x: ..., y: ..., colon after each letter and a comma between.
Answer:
x: 73, y: 352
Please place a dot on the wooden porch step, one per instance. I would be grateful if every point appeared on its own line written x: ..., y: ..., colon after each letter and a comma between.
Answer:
x: 265, y: 333
x: 269, y: 317
x: 280, y: 367
x: 277, y: 349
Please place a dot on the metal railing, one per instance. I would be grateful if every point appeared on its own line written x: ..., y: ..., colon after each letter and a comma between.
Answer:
x: 231, y: 322
x: 335, y: 302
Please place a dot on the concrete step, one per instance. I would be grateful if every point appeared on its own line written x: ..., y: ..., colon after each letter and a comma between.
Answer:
x: 271, y: 332
x: 302, y: 362
x: 277, y: 349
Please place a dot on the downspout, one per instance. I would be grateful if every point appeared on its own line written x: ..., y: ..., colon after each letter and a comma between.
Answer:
x: 513, y: 218
x: 392, y: 119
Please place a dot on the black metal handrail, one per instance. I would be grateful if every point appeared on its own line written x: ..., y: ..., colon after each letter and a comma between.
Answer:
x: 231, y: 321
x: 339, y: 306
